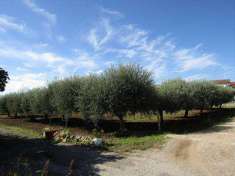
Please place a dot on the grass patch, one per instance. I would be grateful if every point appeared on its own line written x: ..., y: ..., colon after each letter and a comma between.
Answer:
x: 154, y: 118
x: 229, y: 105
x: 127, y: 144
x: 19, y: 131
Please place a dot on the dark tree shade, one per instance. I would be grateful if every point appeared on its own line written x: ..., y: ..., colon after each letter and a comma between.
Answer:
x: 3, y: 79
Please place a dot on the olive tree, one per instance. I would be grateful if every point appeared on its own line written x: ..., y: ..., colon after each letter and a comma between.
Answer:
x: 45, y: 107
x: 203, y: 93
x: 25, y: 99
x: 126, y: 88
x: 90, y: 98
x: 3, y: 105
x: 13, y: 103
x: 174, y: 97
x: 223, y: 95
x: 34, y: 101
x: 188, y: 99
x: 63, y: 94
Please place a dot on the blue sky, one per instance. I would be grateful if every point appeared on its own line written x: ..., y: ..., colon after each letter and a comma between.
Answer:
x: 42, y: 40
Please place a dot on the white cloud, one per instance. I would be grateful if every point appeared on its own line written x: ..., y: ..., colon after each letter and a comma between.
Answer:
x: 40, y: 11
x: 196, y: 77
x: 29, y: 55
x: 85, y: 61
x: 9, y: 23
x: 61, y: 39
x: 134, y: 37
x: 101, y: 34
x: 52, y: 62
x: 111, y: 12
x: 25, y: 82
x: 130, y: 44
x: 40, y: 45
x: 22, y: 69
x: 127, y: 43
x: 109, y: 43
x: 191, y: 59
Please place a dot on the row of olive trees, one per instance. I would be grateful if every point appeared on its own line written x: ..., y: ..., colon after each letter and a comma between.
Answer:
x: 176, y: 95
x: 117, y: 91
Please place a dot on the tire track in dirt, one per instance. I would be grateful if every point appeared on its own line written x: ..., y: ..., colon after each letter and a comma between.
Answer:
x: 207, y: 153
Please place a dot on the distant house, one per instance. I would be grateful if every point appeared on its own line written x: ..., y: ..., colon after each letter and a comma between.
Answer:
x: 222, y: 82
x: 232, y: 84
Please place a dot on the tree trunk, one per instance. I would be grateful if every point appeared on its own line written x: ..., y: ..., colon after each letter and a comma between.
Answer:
x: 8, y: 114
x: 160, y: 120
x: 122, y: 124
x: 186, y: 113
x: 15, y: 114
x: 211, y: 107
x: 201, y: 111
x: 46, y: 117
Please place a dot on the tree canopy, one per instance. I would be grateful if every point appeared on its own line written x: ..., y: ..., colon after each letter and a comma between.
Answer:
x: 3, y: 79
x: 120, y: 90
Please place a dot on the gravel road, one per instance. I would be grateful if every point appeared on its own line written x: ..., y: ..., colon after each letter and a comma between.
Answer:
x: 208, y: 153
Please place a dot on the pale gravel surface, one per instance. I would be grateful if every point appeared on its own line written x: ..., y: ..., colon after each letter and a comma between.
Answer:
x: 208, y: 153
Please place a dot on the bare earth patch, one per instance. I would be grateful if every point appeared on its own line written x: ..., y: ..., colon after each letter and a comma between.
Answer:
x: 207, y: 153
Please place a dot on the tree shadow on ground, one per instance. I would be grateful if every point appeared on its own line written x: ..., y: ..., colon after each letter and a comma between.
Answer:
x: 28, y: 157
x: 179, y: 125
x: 209, y: 121
x: 201, y: 123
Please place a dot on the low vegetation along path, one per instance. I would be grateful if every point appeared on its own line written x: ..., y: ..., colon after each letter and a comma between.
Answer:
x: 207, y: 153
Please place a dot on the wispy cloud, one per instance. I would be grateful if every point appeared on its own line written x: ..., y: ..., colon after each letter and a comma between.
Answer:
x: 40, y: 11
x: 109, y: 41
x: 100, y: 34
x: 25, y: 82
x: 14, y: 53
x: 111, y: 12
x: 127, y: 43
x: 196, y: 77
x: 191, y: 59
x: 55, y: 64
x: 10, y: 23
x: 61, y: 39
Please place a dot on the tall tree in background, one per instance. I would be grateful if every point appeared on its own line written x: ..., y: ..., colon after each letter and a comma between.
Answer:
x: 3, y: 79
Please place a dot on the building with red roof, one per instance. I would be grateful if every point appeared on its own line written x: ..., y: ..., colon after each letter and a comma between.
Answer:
x: 225, y: 83
x: 232, y: 84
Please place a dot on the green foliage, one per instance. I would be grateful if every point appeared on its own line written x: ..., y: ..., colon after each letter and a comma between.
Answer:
x: 127, y: 89
x: 204, y: 93
x: 13, y: 103
x: 3, y: 105
x: 63, y: 94
x: 45, y: 107
x: 25, y: 99
x: 175, y: 95
x: 3, y: 79
x: 126, y: 144
x: 90, y: 99
x: 223, y: 95
x: 121, y: 90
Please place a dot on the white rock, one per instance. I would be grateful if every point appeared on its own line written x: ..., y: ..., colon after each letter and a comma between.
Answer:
x: 97, y: 142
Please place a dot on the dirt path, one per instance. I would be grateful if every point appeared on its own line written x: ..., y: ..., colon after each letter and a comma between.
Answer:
x: 208, y: 153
